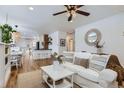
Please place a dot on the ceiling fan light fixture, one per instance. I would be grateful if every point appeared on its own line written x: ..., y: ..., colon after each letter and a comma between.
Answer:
x: 68, y: 14
x: 71, y: 11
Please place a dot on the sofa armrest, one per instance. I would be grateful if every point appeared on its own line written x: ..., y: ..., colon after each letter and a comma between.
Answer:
x: 107, y: 77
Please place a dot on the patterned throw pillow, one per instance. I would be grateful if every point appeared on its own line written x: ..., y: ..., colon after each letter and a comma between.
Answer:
x: 81, y: 62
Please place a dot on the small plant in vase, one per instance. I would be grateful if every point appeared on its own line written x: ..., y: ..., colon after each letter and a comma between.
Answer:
x: 99, y: 46
x: 56, y: 57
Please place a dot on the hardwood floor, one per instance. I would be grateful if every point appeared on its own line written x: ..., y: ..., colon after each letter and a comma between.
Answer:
x: 27, y: 66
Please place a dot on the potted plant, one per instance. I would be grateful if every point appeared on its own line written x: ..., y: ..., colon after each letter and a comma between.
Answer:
x: 99, y: 46
x: 6, y: 33
x: 57, y: 58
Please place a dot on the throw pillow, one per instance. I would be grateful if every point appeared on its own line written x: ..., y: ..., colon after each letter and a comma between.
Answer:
x: 98, y: 62
x: 81, y: 62
x: 95, y: 67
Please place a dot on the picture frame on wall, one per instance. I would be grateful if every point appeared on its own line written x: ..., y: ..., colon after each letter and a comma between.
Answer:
x: 62, y: 42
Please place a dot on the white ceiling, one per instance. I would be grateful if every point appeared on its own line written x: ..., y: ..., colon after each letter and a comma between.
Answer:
x: 42, y: 21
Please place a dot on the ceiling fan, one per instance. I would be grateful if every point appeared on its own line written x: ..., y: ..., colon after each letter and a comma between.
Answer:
x: 72, y: 10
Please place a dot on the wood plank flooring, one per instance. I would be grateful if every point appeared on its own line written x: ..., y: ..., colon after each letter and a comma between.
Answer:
x: 28, y: 65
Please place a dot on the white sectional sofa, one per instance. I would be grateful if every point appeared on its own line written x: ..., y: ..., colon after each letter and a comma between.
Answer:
x: 95, y: 75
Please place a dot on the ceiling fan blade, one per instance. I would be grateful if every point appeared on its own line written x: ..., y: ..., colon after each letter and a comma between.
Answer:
x: 59, y: 13
x: 83, y: 13
x: 78, y: 6
x: 70, y: 18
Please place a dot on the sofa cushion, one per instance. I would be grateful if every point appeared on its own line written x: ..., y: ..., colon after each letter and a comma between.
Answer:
x: 108, y: 75
x: 81, y: 62
x: 96, y: 65
x: 72, y: 67
x: 102, y: 58
x: 89, y: 74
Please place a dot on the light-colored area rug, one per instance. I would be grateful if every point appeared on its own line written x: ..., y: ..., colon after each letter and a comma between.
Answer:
x: 30, y: 80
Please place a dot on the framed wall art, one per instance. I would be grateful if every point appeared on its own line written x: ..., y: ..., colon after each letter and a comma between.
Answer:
x: 62, y: 42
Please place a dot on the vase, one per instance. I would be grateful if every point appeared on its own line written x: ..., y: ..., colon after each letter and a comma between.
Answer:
x: 99, y: 50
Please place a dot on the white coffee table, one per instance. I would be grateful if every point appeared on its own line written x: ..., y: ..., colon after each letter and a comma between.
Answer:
x: 57, y: 74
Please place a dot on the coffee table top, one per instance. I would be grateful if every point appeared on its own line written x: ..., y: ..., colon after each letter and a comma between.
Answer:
x: 56, y: 74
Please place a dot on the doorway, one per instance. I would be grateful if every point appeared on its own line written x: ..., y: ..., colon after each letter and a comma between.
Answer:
x: 70, y: 41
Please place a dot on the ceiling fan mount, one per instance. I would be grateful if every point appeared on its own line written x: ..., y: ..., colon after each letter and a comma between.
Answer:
x: 72, y: 10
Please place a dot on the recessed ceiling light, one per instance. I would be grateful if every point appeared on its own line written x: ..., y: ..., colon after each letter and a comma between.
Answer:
x: 31, y: 8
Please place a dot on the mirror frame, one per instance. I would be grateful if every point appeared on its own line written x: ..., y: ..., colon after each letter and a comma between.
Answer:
x: 98, y: 33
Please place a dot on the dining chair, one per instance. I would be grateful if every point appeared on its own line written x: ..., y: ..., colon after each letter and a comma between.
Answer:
x: 15, y: 61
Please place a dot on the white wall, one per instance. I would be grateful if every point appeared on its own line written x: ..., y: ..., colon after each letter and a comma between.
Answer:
x: 55, y: 43
x: 25, y: 43
x: 112, y: 29
x: 56, y: 36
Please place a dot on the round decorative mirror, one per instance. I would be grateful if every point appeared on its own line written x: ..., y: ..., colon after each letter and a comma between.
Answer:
x: 92, y: 36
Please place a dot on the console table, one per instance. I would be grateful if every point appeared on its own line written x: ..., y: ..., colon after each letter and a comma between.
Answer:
x: 41, y: 54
